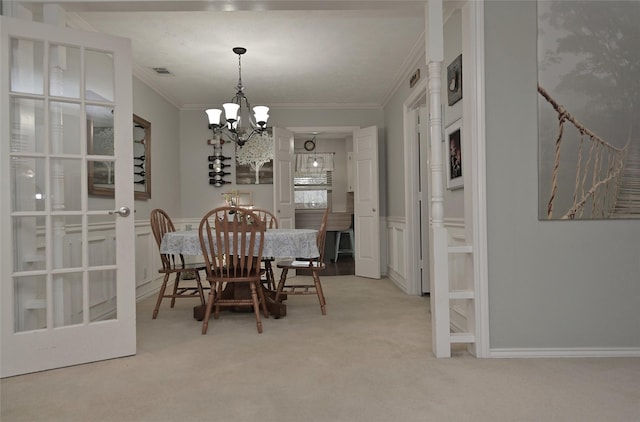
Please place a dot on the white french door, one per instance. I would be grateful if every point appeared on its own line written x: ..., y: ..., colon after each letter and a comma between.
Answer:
x: 283, y: 200
x: 67, y: 267
x: 366, y: 202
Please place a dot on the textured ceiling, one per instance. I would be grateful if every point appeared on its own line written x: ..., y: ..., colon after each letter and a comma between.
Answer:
x: 307, y: 54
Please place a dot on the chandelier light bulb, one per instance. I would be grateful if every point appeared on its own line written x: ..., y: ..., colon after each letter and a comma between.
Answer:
x: 231, y: 111
x: 261, y: 114
x: 214, y: 116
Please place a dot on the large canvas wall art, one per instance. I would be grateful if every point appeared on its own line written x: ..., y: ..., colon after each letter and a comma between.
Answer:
x: 588, y: 109
x: 254, y: 160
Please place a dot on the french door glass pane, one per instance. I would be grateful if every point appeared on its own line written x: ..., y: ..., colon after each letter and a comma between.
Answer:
x: 67, y: 299
x: 101, y: 134
x: 64, y: 71
x: 103, y: 168
x: 30, y: 305
x: 102, y: 295
x: 102, y: 242
x: 99, y: 75
x: 67, y: 241
x: 65, y: 183
x: 29, y: 243
x: 27, y: 66
x: 65, y: 128
x: 27, y: 125
x: 28, y: 187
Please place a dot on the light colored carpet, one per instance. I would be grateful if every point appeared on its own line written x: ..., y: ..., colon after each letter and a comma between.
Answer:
x: 369, y: 359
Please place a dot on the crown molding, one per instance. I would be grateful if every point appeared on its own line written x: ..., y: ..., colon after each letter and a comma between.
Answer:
x: 147, y: 76
x: 407, y: 68
x: 299, y: 106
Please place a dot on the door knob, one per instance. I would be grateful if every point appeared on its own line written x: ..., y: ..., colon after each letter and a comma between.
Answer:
x: 122, y: 212
x: 374, y: 210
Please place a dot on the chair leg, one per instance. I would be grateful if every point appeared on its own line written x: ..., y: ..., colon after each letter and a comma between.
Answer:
x: 207, y: 312
x: 262, y: 299
x: 218, y: 289
x: 256, y: 307
x: 338, y: 236
x: 161, y: 295
x: 176, y: 284
x: 199, y: 284
x: 319, y: 292
x: 271, y: 282
x: 283, y: 278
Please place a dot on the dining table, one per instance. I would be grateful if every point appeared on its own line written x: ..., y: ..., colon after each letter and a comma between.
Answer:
x: 278, y: 243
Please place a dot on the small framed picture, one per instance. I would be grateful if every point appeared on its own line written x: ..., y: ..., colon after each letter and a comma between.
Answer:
x: 453, y: 152
x: 454, y: 81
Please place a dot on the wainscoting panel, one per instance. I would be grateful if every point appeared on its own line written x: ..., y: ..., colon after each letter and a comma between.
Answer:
x: 148, y: 280
x: 460, y: 275
x: 396, y: 247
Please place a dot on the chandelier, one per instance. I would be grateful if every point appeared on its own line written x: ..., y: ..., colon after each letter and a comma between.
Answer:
x: 238, y: 113
x: 314, y: 161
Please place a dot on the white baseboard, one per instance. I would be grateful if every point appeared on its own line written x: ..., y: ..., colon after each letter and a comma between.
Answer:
x: 587, y: 352
x: 398, y: 280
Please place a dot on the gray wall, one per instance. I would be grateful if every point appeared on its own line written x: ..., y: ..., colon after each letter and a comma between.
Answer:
x: 165, y: 150
x: 394, y: 147
x: 197, y: 196
x: 453, y: 199
x: 394, y: 127
x: 551, y: 284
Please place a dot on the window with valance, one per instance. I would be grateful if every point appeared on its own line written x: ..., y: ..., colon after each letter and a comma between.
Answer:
x: 312, y: 183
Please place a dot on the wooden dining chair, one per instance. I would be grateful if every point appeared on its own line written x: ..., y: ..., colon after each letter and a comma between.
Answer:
x: 315, y: 265
x: 174, y: 264
x: 271, y: 222
x: 232, y: 241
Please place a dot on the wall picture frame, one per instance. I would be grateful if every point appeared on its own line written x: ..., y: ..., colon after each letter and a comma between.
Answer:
x: 454, y: 155
x: 454, y: 81
x: 101, y: 174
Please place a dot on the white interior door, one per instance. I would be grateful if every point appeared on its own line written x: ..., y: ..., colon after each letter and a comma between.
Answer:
x: 423, y: 194
x: 283, y: 200
x: 366, y: 202
x: 66, y: 264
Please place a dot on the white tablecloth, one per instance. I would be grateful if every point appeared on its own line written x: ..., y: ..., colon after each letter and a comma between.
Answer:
x: 278, y: 243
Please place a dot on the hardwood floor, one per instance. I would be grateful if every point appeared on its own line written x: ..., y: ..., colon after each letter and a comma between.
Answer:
x: 344, y: 266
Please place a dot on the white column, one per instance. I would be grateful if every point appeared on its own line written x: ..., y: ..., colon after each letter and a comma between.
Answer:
x: 441, y: 345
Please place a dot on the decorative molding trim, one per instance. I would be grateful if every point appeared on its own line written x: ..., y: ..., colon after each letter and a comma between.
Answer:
x: 585, y: 352
x: 396, y: 241
x: 475, y: 121
x: 398, y: 280
x: 73, y: 20
x: 301, y: 106
x: 454, y: 223
x: 458, y: 319
x: 411, y: 105
x: 394, y: 250
x: 324, y: 129
x: 414, y: 59
x: 384, y: 247
x: 146, y: 76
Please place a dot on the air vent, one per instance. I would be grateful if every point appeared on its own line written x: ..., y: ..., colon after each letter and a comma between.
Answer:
x: 162, y: 71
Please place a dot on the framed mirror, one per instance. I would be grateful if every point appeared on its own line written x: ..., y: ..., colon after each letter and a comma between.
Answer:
x: 100, y: 143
